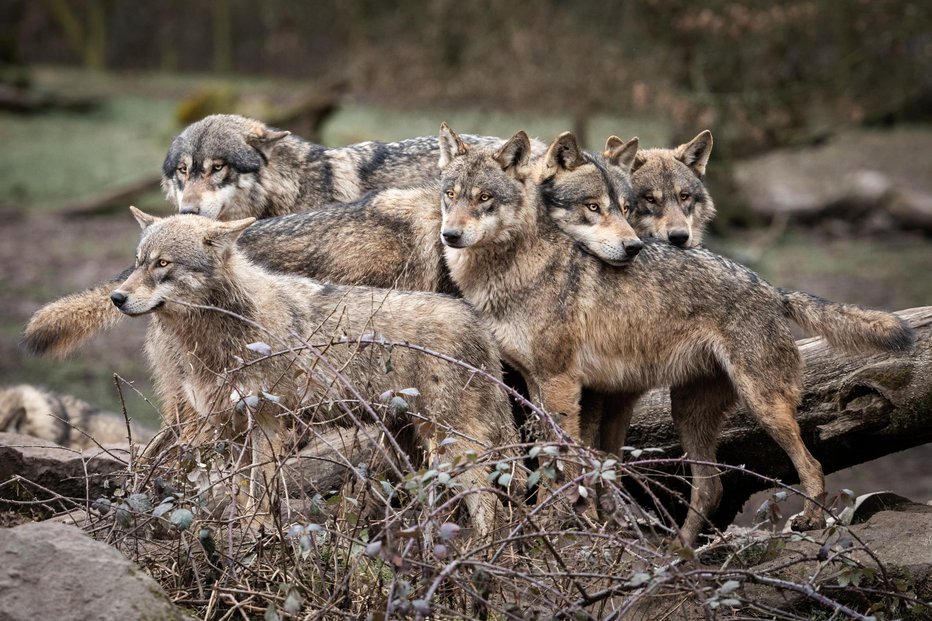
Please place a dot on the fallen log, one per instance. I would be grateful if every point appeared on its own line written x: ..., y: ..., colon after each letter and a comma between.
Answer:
x: 854, y: 409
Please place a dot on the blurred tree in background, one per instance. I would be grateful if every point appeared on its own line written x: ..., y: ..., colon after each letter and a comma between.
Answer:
x: 761, y: 74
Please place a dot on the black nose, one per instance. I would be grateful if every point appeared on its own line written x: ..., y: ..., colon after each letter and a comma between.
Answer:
x: 118, y: 299
x: 633, y: 247
x: 679, y: 237
x: 451, y: 235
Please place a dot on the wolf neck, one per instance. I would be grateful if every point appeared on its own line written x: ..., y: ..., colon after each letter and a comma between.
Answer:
x: 494, y: 275
x: 219, y: 330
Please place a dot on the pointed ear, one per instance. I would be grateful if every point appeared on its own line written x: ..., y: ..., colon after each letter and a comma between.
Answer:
x: 514, y: 154
x: 639, y: 160
x: 263, y: 137
x: 144, y: 219
x: 696, y: 152
x: 225, y: 234
x: 564, y: 153
x: 451, y: 145
x: 620, y: 153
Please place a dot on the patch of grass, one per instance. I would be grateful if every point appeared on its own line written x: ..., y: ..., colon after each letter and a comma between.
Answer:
x: 356, y: 123
x: 52, y: 160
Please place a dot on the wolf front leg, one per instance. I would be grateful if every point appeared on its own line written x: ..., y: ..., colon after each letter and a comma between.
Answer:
x: 560, y: 394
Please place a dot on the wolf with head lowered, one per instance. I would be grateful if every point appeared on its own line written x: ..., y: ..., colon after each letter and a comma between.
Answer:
x: 708, y: 328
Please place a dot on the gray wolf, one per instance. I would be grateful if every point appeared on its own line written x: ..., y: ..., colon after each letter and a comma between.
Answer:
x: 673, y: 203
x: 62, y: 419
x: 208, y: 301
x: 708, y: 328
x: 387, y: 239
x: 228, y: 167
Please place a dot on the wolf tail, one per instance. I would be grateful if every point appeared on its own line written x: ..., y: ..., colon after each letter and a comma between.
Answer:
x: 847, y: 326
x: 60, y: 327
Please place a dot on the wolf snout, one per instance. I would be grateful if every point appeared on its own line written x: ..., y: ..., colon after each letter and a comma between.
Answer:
x: 118, y: 299
x: 452, y: 237
x: 632, y: 248
x: 189, y: 209
x: 678, y: 237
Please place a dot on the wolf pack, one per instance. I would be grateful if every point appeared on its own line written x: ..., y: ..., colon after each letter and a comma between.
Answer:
x: 301, y: 285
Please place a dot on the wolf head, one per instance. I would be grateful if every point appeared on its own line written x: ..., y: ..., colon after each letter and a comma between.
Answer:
x: 178, y: 259
x: 212, y: 164
x: 484, y: 193
x: 672, y: 201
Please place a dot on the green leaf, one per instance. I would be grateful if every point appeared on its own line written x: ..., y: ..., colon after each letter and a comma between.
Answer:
x: 139, y: 503
x: 182, y: 518
x: 533, y: 478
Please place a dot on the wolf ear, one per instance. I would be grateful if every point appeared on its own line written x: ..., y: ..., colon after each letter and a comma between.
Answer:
x: 620, y: 153
x: 514, y: 154
x: 144, y: 219
x: 564, y: 153
x: 263, y: 137
x: 451, y: 145
x: 225, y: 234
x: 696, y: 152
x: 639, y: 160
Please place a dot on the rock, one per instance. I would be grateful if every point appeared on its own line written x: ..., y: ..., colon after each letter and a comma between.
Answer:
x: 900, y: 540
x: 858, y: 175
x: 53, y: 571
x: 65, y: 471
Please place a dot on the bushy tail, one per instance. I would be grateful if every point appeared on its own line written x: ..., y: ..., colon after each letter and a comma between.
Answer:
x: 60, y: 327
x: 847, y: 326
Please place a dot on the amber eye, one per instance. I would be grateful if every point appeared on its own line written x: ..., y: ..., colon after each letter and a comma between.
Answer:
x: 183, y: 169
x: 592, y: 206
x: 684, y: 196
x: 450, y: 193
x: 219, y: 167
x: 650, y: 198
x: 485, y: 197
x: 162, y: 263
x: 624, y: 209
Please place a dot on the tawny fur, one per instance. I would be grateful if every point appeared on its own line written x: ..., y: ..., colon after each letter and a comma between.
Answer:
x: 188, y: 262
x: 710, y: 329
x: 387, y: 239
x: 63, y: 419
x: 672, y: 202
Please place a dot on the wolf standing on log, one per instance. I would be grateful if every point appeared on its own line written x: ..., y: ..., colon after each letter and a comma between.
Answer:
x: 706, y: 327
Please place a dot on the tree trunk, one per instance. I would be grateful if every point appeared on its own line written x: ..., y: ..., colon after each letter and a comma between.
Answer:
x: 854, y: 409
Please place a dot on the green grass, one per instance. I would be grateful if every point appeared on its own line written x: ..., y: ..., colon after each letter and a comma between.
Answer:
x: 355, y: 123
x: 53, y: 160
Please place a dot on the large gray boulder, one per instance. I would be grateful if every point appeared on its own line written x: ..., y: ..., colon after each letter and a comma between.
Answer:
x: 53, y: 571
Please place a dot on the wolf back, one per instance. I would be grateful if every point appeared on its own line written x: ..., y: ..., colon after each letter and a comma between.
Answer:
x: 228, y: 167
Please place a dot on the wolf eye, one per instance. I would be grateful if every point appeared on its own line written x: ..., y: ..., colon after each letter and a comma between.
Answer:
x: 485, y: 197
x: 624, y: 209
x: 649, y: 198
x: 684, y: 196
x: 183, y: 169
x: 450, y: 193
x: 593, y: 207
x: 162, y: 263
x: 219, y: 167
